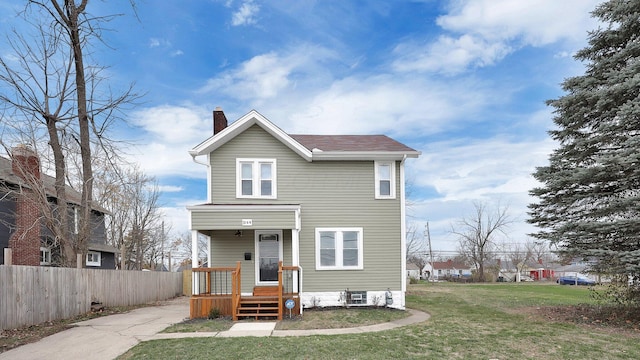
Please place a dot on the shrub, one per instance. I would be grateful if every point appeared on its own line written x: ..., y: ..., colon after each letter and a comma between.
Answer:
x: 214, y: 313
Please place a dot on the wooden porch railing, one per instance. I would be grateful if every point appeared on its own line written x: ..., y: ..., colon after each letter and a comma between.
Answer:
x: 236, y: 290
x: 289, y: 283
x: 213, y: 281
x: 222, y: 287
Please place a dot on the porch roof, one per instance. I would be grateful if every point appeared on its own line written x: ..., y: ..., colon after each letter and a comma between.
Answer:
x: 244, y: 216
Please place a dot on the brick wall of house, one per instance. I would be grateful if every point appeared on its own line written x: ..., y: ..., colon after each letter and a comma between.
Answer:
x: 25, y: 242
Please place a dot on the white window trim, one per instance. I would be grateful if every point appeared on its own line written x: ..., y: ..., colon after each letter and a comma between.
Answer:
x: 256, y: 178
x: 47, y: 252
x: 392, y: 174
x: 94, y: 263
x: 339, y: 249
x: 257, y: 253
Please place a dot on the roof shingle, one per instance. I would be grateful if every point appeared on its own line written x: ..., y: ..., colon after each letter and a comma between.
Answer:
x: 350, y: 143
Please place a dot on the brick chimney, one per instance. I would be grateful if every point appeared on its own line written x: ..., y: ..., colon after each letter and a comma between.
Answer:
x: 26, y: 163
x: 219, y: 120
x: 25, y: 241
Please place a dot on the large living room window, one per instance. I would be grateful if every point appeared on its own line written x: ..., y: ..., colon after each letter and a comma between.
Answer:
x: 339, y: 249
x: 385, y: 176
x: 256, y: 178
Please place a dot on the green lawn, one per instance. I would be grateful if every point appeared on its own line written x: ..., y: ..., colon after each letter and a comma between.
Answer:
x: 493, y: 321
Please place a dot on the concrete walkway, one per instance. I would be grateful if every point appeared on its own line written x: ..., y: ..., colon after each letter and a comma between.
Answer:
x: 110, y: 336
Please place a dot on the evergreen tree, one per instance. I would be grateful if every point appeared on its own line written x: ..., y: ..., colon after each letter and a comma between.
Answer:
x: 589, y: 201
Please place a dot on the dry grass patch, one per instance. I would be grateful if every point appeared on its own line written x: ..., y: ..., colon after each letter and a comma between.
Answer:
x: 336, y: 318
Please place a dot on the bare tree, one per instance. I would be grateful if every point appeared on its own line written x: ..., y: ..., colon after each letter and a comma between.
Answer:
x: 541, y: 252
x: 136, y: 223
x: 182, y: 245
x: 37, y: 86
x: 478, y: 234
x: 51, y: 89
x: 519, y: 255
x: 415, y: 245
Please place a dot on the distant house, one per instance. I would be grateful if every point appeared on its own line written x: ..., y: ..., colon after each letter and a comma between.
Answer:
x: 413, y: 271
x: 22, y: 227
x: 317, y: 219
x: 446, y: 269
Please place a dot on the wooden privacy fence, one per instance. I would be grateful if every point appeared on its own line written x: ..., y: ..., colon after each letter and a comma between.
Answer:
x: 32, y: 295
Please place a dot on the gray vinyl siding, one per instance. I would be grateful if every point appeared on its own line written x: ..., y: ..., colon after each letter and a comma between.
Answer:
x: 331, y: 194
x: 227, y: 249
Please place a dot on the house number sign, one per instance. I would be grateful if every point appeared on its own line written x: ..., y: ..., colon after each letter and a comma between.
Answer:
x: 247, y: 222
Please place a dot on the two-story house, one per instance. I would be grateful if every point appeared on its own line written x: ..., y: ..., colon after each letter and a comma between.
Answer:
x: 319, y: 218
x: 23, y: 228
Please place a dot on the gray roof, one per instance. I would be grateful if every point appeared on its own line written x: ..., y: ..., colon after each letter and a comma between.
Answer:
x: 351, y: 143
x: 73, y: 197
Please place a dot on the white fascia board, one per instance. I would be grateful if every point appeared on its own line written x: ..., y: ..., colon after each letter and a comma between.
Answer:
x: 237, y: 127
x: 363, y: 155
x: 239, y: 208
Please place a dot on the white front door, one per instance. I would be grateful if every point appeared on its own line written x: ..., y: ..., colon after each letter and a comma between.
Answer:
x: 268, y: 254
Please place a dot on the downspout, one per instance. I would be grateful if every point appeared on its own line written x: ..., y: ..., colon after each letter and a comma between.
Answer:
x: 403, y: 234
x: 194, y: 233
x: 208, y: 165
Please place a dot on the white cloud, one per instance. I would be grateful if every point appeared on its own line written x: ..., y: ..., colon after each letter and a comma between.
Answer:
x: 168, y: 132
x: 449, y: 55
x: 495, y: 171
x: 473, y: 169
x: 246, y: 14
x: 386, y: 104
x: 482, y: 32
x: 153, y: 42
x: 177, y: 53
x: 267, y: 75
x: 534, y: 22
x: 170, y: 188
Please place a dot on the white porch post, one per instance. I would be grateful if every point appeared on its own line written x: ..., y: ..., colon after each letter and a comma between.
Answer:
x: 194, y: 249
x: 295, y: 248
x: 195, y: 290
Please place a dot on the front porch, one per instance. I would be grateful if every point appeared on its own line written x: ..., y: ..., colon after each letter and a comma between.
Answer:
x: 220, y: 288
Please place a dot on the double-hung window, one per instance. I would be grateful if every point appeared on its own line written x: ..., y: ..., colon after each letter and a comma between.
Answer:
x: 256, y: 178
x: 339, y: 249
x: 385, y: 179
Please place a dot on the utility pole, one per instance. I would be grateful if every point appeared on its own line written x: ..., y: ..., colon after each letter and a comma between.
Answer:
x: 162, y: 249
x: 430, y: 250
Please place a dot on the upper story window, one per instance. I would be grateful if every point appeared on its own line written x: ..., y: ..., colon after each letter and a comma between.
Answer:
x: 256, y: 178
x: 385, y: 178
x: 339, y: 249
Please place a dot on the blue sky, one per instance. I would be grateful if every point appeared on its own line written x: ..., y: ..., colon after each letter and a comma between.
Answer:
x: 465, y: 82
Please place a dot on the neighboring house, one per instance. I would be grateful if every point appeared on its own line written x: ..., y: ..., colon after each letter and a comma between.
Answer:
x: 446, y: 269
x: 328, y: 211
x: 413, y: 271
x: 22, y: 228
